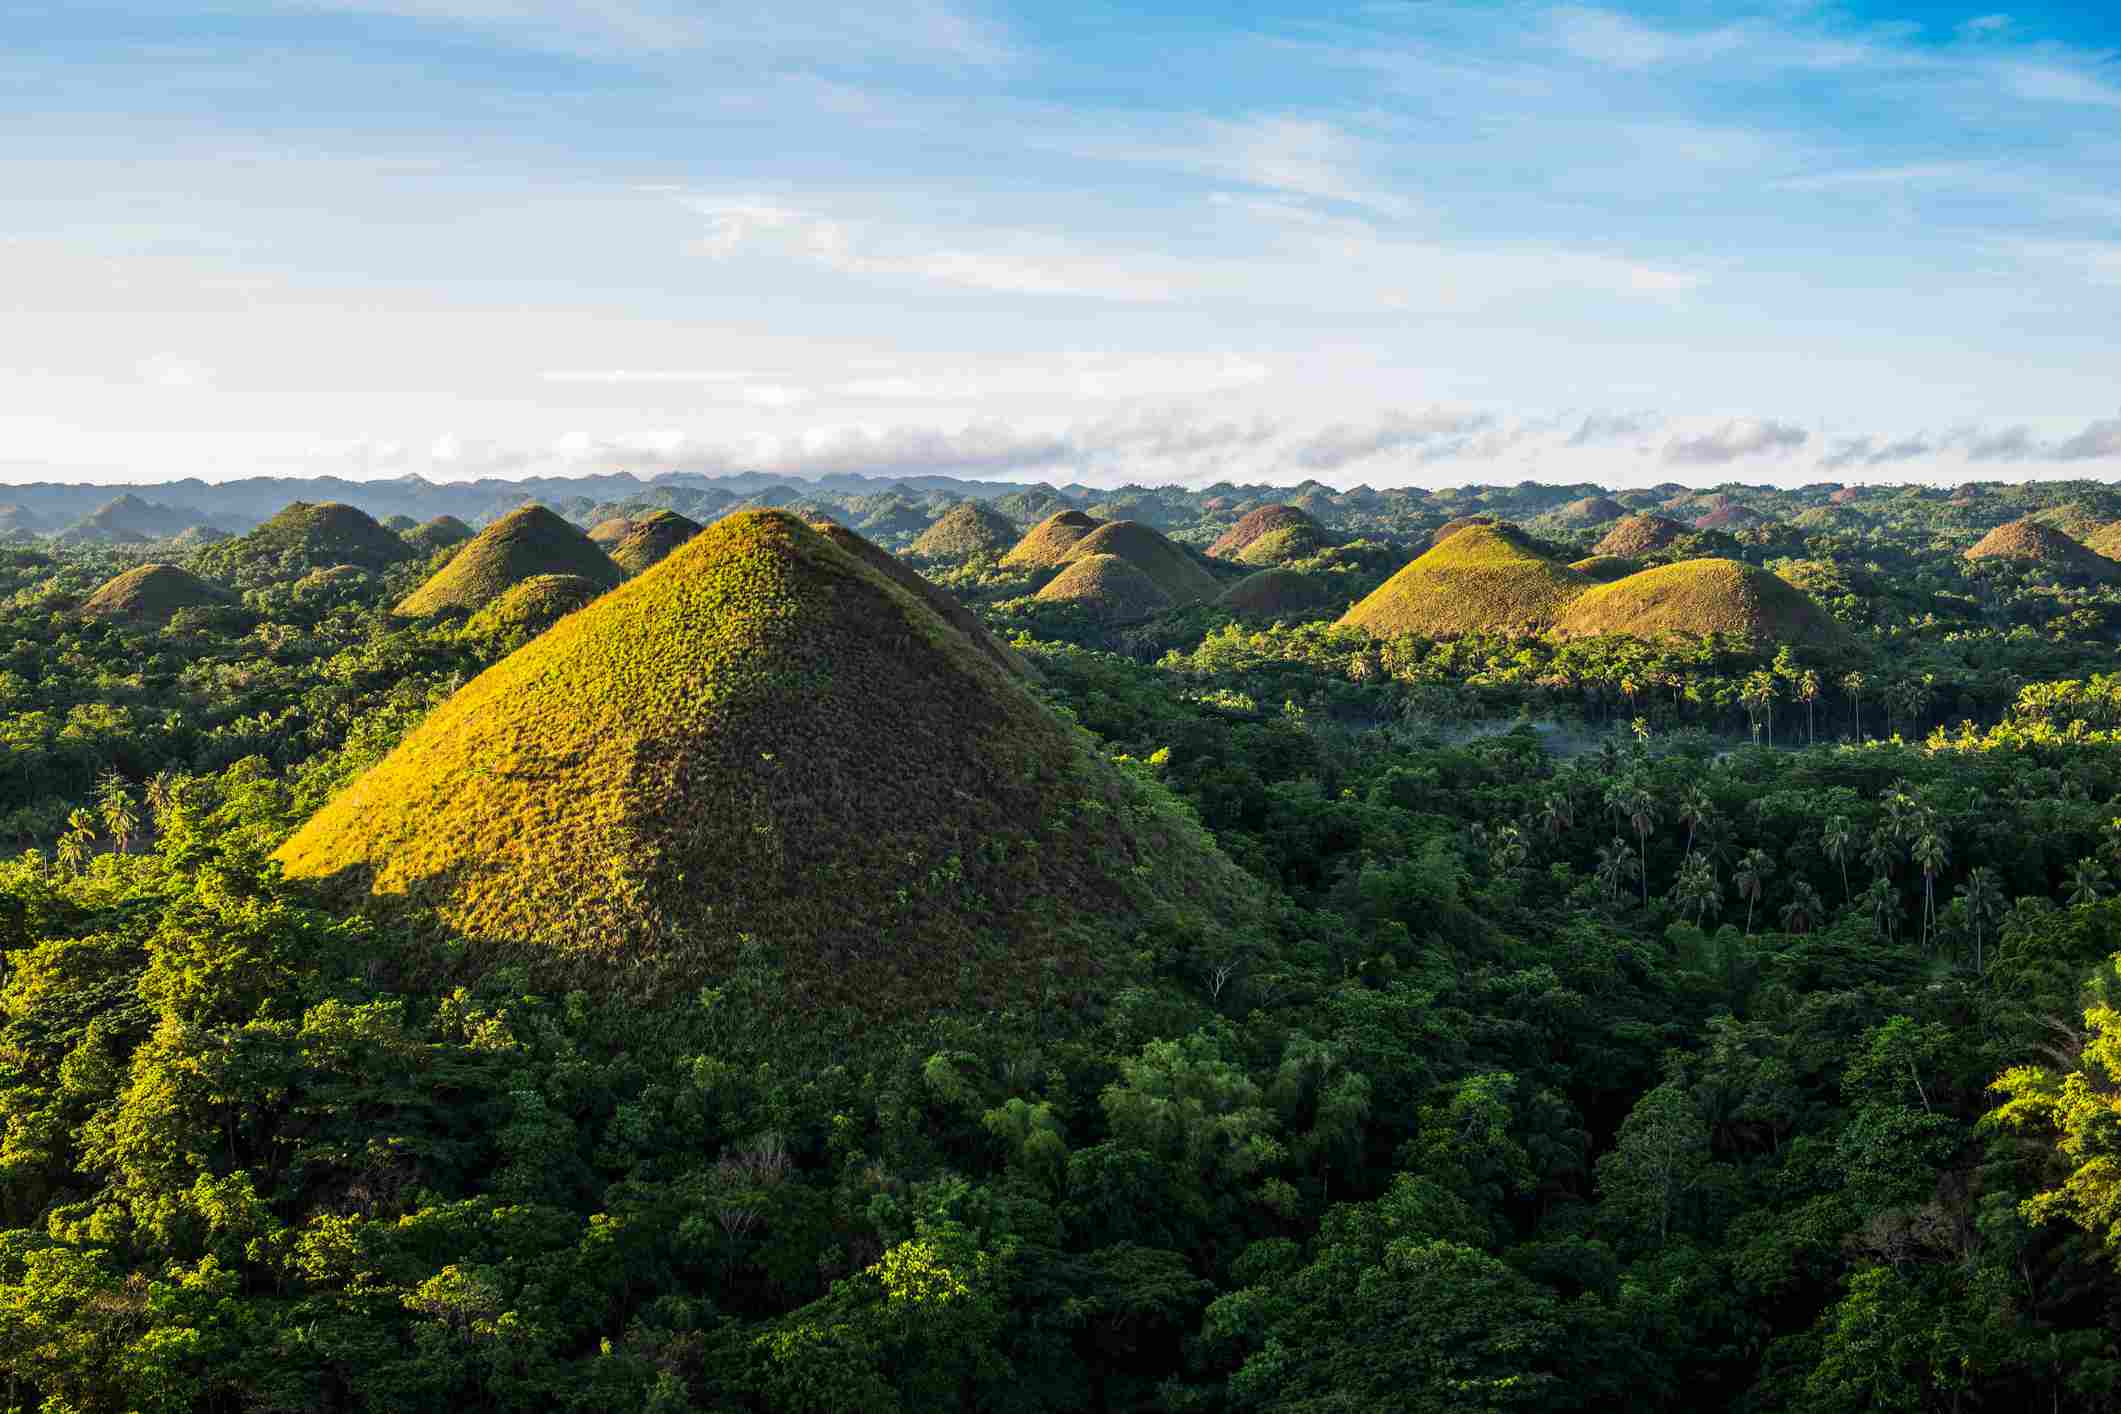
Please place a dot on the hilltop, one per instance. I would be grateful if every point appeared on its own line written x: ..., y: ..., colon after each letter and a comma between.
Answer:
x: 529, y: 540
x: 966, y: 531
x: 1699, y: 597
x: 940, y: 602
x: 151, y: 594
x: 650, y: 538
x: 1170, y: 568
x: 1483, y: 578
x: 1451, y: 527
x: 1107, y: 586
x: 2031, y: 542
x: 1274, y: 593
x: 1047, y: 544
x: 1639, y: 535
x: 126, y: 520
x: 531, y: 607
x: 1604, y: 569
x: 438, y: 534
x: 763, y: 747
x: 304, y: 536
x: 1267, y: 521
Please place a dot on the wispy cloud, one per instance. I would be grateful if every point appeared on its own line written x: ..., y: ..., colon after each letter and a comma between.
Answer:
x: 1734, y: 441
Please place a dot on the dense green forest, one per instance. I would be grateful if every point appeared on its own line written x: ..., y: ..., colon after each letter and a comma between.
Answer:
x: 1498, y: 1019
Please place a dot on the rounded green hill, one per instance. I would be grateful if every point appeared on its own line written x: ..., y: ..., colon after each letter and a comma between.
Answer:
x: 966, y: 531
x: 764, y: 749
x: 529, y: 540
x: 650, y: 538
x: 1699, y: 597
x: 529, y: 608
x: 304, y: 536
x: 1255, y: 525
x: 1451, y: 527
x: 1639, y: 535
x: 1604, y: 569
x: 1274, y: 593
x: 2030, y: 542
x: 1285, y: 546
x: 1591, y: 510
x: 1484, y: 578
x: 611, y: 531
x: 438, y: 534
x: 151, y: 594
x: 1107, y: 586
x: 1047, y: 544
x: 1171, y: 569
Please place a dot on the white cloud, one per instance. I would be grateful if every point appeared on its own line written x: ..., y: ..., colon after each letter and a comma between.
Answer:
x: 625, y: 376
x: 1606, y: 37
x: 168, y: 370
x: 1983, y: 26
x: 2055, y: 83
x: 1734, y: 440
x: 2097, y: 262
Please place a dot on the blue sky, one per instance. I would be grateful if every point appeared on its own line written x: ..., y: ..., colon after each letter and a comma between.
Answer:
x: 1426, y: 243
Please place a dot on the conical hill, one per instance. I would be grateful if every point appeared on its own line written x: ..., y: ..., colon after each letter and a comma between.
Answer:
x: 1275, y: 593
x: 1484, y: 578
x: 2043, y: 545
x: 966, y: 531
x: 1639, y: 535
x: 1604, y: 569
x: 1170, y: 568
x: 650, y: 538
x: 529, y: 540
x: 1107, y: 586
x: 304, y: 536
x: 1700, y: 597
x: 1047, y: 544
x: 438, y: 534
x: 1256, y: 525
x: 529, y: 608
x: 763, y: 749
x: 151, y: 594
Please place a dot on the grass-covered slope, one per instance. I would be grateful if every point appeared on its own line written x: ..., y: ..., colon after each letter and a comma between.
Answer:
x: 533, y: 606
x: 1047, y: 544
x: 651, y: 538
x: 2031, y: 542
x: 966, y: 531
x: 1604, y: 569
x: 1286, y: 546
x: 1591, y: 510
x: 1274, y: 593
x: 1482, y: 578
x: 1451, y: 527
x: 762, y: 747
x: 529, y: 540
x: 304, y: 536
x: 150, y: 594
x: 1107, y: 586
x: 941, y: 602
x: 1264, y: 521
x: 1640, y: 535
x: 1170, y: 568
x: 438, y: 534
x: 1700, y: 597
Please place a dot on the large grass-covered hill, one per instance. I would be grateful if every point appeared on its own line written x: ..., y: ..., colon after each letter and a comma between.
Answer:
x: 1481, y: 578
x: 1699, y: 597
x: 764, y: 746
x: 152, y: 594
x: 529, y: 540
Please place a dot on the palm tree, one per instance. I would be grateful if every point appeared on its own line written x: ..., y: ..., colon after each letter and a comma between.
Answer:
x: 1884, y: 903
x: 74, y: 846
x: 1929, y: 852
x: 1695, y: 809
x: 121, y: 818
x: 1808, y: 694
x: 1983, y: 897
x: 1853, y: 684
x: 1697, y: 888
x: 1804, y: 910
x: 1834, y: 842
x: 1642, y: 815
x: 2087, y: 881
x: 1557, y: 814
x: 1615, y: 862
x: 1754, y: 870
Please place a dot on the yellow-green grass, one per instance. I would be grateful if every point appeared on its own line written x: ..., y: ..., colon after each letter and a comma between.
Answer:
x: 151, y: 594
x: 438, y: 534
x: 1604, y: 569
x: 2073, y: 518
x: 1639, y: 535
x: 1046, y: 545
x: 611, y: 531
x: 531, y: 607
x: 1484, y: 578
x: 940, y: 602
x: 1107, y: 586
x: 966, y: 531
x: 2106, y: 541
x: 1171, y: 569
x: 333, y: 579
x: 1699, y: 597
x: 1285, y: 546
x: 763, y: 748
x: 1274, y: 593
x: 1451, y: 527
x: 2030, y: 542
x: 650, y: 538
x: 529, y: 540
x: 1255, y: 524
x: 304, y: 536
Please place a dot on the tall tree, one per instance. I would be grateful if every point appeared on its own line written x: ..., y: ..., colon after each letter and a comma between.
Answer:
x: 1754, y: 870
